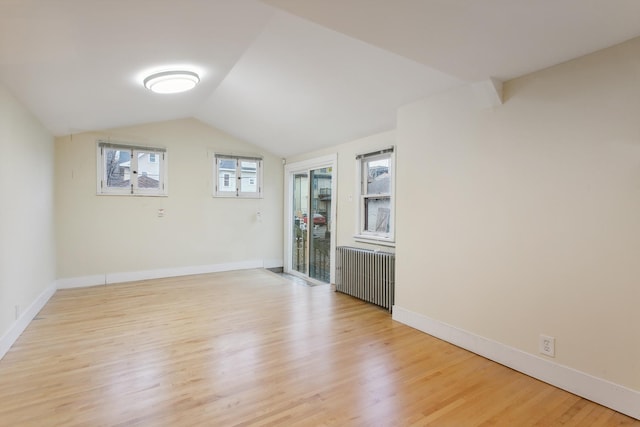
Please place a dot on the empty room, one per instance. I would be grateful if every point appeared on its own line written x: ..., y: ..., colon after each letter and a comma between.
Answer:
x: 312, y: 213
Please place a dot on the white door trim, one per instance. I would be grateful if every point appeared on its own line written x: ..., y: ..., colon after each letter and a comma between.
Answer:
x: 329, y: 161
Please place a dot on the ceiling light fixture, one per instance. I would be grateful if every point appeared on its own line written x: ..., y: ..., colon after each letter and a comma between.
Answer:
x: 171, y: 81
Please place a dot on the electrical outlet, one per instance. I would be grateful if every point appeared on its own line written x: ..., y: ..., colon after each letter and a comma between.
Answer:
x: 547, y: 345
x: 17, y: 312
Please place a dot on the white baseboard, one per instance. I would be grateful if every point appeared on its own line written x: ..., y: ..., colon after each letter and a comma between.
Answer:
x: 10, y: 337
x: 272, y: 263
x: 132, y: 276
x: 82, y: 282
x: 606, y: 393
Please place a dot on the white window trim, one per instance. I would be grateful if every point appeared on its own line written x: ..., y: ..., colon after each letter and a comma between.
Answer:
x: 133, y: 189
x: 361, y: 235
x: 237, y: 194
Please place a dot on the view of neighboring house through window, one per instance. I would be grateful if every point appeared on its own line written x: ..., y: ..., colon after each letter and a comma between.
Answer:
x: 237, y: 176
x: 131, y: 170
x: 376, y: 195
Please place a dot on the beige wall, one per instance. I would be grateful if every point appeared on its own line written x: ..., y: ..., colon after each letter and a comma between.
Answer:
x: 27, y: 252
x: 525, y: 219
x: 116, y: 234
x: 347, y: 198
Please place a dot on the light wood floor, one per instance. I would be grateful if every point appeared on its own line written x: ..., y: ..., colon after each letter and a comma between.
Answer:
x: 251, y: 348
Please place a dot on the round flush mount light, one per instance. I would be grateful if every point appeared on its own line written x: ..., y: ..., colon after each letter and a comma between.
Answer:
x: 171, y: 81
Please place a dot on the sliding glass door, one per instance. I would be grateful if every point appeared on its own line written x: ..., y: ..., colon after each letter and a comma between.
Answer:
x: 310, y: 221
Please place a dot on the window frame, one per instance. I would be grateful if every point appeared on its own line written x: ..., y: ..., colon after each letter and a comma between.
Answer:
x: 238, y: 176
x: 132, y: 189
x: 376, y: 237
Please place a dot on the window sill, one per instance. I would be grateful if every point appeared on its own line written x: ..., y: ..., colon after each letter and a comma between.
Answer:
x: 233, y: 196
x: 133, y: 194
x: 372, y: 240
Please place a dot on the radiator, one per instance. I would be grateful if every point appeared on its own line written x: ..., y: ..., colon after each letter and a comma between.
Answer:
x: 366, y: 274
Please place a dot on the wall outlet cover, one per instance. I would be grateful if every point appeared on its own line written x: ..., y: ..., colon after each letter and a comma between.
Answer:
x: 547, y: 345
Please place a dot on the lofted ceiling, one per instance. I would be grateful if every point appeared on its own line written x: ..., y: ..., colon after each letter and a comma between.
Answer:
x: 290, y: 76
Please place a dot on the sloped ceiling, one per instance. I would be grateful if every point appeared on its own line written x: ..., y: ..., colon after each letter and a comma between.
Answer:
x: 287, y: 75
x: 477, y: 39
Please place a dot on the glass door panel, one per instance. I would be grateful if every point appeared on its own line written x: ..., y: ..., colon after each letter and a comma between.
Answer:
x: 300, y: 229
x: 319, y: 225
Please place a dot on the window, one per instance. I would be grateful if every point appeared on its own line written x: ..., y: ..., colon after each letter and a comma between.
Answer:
x: 376, y: 205
x: 125, y: 169
x: 237, y: 176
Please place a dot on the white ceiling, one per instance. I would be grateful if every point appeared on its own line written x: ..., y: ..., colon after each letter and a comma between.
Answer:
x: 287, y: 75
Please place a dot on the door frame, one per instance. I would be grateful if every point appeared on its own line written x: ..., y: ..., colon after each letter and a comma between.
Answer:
x: 328, y: 161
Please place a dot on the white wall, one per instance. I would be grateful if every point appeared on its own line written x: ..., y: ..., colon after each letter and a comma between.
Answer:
x: 27, y: 251
x: 347, y: 198
x: 103, y: 235
x: 525, y: 219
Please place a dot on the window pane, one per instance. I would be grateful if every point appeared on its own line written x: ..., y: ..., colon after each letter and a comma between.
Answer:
x: 227, y: 175
x: 378, y: 179
x: 148, y: 173
x: 117, y: 168
x: 377, y: 212
x: 248, y: 176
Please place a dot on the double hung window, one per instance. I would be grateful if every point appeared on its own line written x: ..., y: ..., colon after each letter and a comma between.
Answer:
x: 376, y: 187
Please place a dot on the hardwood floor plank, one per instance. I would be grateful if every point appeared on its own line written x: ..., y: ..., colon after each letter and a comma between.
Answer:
x: 250, y: 348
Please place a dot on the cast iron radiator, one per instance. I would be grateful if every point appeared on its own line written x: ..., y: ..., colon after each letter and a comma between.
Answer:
x: 366, y: 274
